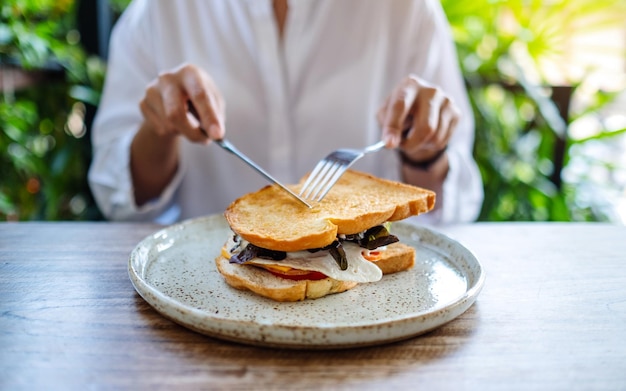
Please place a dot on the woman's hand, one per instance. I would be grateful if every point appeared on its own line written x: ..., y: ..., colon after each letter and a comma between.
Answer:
x: 165, y: 105
x: 426, y: 111
x: 154, y: 151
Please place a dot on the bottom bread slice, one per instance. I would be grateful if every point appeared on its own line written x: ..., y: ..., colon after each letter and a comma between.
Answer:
x: 396, y: 257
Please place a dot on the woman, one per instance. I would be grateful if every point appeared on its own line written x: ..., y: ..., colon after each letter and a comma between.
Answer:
x: 287, y: 82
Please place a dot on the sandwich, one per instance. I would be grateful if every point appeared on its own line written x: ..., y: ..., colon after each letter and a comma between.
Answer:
x: 282, y: 250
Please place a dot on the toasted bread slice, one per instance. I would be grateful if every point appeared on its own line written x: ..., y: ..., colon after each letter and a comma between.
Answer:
x: 265, y: 284
x: 272, y: 219
x: 397, y: 257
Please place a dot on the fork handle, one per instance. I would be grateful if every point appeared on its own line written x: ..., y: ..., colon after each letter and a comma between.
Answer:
x: 375, y: 147
x: 381, y: 144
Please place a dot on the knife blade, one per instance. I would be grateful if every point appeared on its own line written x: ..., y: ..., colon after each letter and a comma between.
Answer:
x: 229, y: 147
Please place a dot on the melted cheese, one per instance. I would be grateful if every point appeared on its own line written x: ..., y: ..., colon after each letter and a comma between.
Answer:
x: 359, y: 269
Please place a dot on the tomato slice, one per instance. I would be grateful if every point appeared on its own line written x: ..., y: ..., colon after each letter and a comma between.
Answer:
x: 372, y: 255
x: 298, y: 275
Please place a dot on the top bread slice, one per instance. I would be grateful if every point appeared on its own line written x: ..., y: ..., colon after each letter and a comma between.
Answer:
x: 272, y: 219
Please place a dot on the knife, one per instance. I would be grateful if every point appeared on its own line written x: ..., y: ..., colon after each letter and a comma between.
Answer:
x: 228, y: 146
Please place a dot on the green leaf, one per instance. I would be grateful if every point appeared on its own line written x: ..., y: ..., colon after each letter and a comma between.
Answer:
x: 601, y: 136
x: 85, y: 94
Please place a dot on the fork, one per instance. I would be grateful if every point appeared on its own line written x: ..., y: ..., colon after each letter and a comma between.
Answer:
x: 328, y: 170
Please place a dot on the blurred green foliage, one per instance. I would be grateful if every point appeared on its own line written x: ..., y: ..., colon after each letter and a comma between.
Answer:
x: 44, y: 149
x: 522, y: 141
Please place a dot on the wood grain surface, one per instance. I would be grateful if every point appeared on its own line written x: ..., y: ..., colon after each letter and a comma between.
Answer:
x: 551, y: 316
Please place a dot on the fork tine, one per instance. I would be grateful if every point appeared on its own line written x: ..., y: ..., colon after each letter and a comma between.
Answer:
x: 328, y: 170
x: 328, y: 176
x: 340, y: 170
x: 311, y: 177
x: 324, y: 166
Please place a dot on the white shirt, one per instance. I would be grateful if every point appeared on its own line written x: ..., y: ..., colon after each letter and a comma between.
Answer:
x: 288, y: 103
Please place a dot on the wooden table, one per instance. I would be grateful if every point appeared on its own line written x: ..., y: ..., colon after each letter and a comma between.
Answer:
x: 551, y: 316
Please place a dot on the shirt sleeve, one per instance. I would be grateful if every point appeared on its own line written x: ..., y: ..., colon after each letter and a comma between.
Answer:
x: 435, y: 60
x: 129, y: 70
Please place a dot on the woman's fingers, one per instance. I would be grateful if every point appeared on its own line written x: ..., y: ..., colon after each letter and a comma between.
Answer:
x: 151, y: 108
x: 166, y: 105
x: 206, y: 99
x: 428, y: 110
x: 396, y: 111
x: 175, y: 109
x: 426, y: 119
x: 448, y: 118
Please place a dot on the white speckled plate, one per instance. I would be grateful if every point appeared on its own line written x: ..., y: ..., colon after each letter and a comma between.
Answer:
x: 174, y: 271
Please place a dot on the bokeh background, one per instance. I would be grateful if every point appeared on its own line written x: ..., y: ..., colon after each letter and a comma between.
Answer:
x: 546, y: 79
